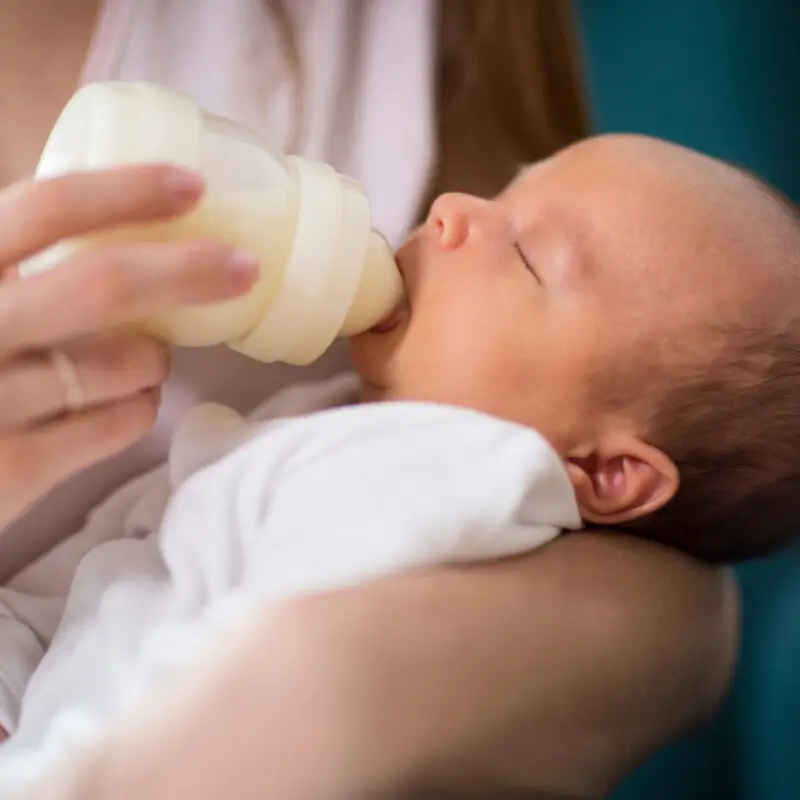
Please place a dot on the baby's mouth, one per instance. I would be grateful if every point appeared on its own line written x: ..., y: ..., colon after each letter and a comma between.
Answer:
x: 395, y: 317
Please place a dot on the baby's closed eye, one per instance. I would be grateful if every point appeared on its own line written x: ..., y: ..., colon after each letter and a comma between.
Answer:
x: 528, y: 264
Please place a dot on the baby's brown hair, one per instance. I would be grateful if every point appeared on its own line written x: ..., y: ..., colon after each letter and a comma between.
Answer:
x: 732, y: 427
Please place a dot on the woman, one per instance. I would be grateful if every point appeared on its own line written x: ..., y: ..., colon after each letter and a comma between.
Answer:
x: 555, y: 673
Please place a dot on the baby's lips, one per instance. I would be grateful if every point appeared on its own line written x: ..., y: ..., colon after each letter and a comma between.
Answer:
x: 394, y: 318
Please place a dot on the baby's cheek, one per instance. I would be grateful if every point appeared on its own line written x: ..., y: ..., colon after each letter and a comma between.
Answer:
x: 476, y: 371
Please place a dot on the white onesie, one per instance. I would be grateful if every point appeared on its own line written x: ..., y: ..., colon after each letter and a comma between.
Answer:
x: 310, y: 493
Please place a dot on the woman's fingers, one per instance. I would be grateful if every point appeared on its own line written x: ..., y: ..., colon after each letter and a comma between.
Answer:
x: 109, y: 378
x: 34, y: 461
x: 106, y: 285
x: 35, y: 214
x: 106, y: 369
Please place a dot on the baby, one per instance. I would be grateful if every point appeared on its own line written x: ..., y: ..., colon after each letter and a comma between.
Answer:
x: 613, y: 341
x: 637, y: 304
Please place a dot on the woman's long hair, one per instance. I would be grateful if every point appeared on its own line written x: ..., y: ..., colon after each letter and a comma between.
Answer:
x: 509, y: 87
x: 518, y: 61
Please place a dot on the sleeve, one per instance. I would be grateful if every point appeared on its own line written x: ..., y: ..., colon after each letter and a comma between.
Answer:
x: 32, y: 603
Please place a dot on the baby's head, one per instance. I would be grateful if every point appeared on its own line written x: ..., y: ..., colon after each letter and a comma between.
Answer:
x: 639, y: 305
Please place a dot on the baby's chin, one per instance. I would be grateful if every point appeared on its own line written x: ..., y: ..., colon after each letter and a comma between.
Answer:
x: 371, y: 393
x: 373, y: 353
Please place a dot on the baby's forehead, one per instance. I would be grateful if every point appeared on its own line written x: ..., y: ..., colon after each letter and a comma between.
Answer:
x: 653, y: 215
x: 650, y: 182
x: 626, y: 157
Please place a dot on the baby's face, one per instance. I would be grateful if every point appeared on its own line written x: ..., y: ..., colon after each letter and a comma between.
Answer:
x: 585, y: 266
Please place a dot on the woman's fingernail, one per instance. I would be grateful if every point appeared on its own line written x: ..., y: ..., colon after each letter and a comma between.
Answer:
x: 243, y: 266
x: 183, y: 184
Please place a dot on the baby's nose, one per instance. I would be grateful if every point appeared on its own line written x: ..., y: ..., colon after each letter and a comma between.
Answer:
x: 453, y: 215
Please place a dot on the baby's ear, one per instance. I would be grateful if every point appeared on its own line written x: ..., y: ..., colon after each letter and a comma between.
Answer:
x: 621, y: 479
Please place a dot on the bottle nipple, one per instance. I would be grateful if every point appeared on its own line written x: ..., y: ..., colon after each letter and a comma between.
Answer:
x: 340, y: 278
x: 379, y: 291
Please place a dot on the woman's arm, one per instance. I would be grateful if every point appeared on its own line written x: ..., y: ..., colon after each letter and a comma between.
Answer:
x: 557, y: 673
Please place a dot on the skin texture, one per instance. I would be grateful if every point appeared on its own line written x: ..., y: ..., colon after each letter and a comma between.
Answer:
x: 524, y: 304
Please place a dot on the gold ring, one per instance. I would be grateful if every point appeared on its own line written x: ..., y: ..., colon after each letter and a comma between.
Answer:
x: 67, y: 372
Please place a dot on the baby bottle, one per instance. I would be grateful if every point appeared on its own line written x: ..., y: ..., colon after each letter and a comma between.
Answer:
x: 325, y: 272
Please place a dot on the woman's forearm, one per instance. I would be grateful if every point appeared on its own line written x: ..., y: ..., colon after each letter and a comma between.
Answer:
x: 556, y: 672
x: 560, y: 671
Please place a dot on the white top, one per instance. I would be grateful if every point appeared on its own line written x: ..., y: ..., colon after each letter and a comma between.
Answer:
x: 248, y: 512
x: 364, y: 101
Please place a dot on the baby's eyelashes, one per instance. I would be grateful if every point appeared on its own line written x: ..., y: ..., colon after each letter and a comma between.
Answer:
x: 527, y: 263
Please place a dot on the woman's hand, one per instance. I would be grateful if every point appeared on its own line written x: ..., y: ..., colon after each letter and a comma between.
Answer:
x: 556, y: 673
x: 72, y: 392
